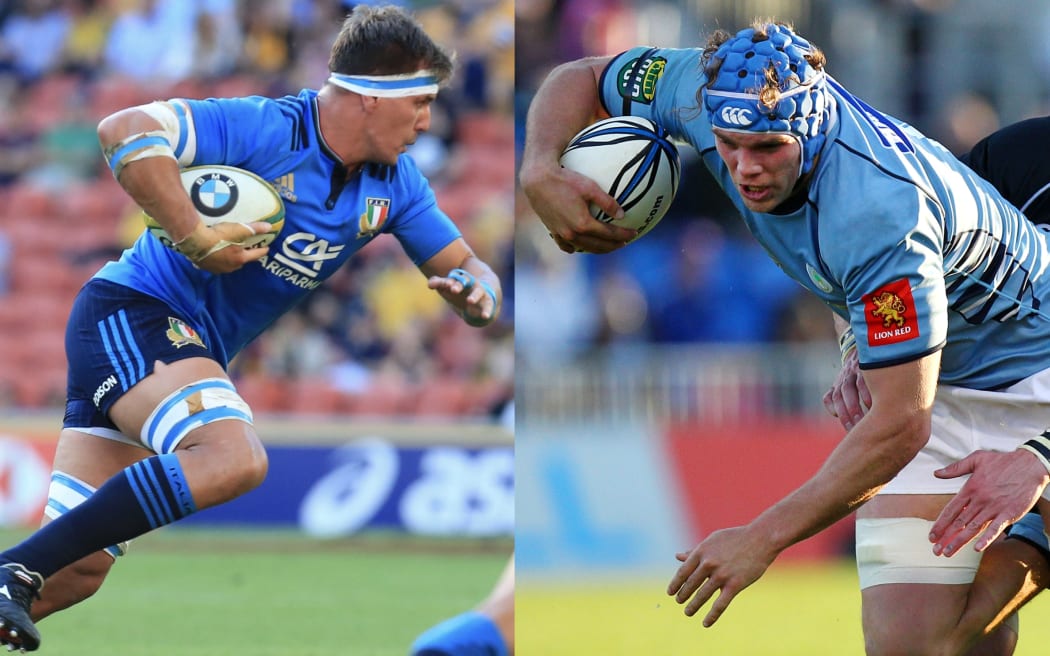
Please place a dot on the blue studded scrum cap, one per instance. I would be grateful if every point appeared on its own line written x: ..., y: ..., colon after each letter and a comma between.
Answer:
x: 803, y: 105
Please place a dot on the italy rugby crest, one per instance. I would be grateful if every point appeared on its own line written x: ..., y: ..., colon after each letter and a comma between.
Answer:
x: 376, y: 211
x: 182, y: 334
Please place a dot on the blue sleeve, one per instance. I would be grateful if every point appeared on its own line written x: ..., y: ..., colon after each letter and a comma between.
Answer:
x: 661, y: 84
x: 423, y: 229
x: 888, y: 256
x: 242, y: 132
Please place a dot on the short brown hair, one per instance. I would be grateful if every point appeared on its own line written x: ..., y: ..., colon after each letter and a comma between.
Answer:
x: 386, y: 41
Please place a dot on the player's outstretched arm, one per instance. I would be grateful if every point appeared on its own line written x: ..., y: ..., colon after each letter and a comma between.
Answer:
x: 466, y: 282
x: 137, y: 146
x: 565, y: 103
x: 871, y: 454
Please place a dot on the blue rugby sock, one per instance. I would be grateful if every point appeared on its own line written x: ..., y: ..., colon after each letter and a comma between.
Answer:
x: 145, y: 496
x: 467, y: 634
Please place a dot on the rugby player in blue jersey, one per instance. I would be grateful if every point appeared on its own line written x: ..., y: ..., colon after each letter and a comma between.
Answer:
x: 940, y: 278
x: 154, y: 429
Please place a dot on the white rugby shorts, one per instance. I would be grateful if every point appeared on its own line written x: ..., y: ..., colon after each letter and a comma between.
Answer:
x: 965, y: 420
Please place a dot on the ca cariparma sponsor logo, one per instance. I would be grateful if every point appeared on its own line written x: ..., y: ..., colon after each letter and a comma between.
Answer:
x: 103, y: 389
x: 376, y: 212
x: 739, y: 116
x: 214, y: 194
x: 820, y: 281
x: 638, y: 78
x: 301, y: 258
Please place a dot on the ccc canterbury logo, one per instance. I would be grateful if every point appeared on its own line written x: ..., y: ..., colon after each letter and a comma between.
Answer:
x: 736, y: 116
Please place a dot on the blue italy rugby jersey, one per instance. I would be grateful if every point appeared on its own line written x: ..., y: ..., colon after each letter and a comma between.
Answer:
x: 895, y: 235
x: 326, y: 220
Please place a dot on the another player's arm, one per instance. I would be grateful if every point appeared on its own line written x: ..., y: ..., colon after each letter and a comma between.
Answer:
x: 137, y: 145
x: 868, y: 457
x: 466, y: 282
x: 565, y: 103
x: 849, y: 398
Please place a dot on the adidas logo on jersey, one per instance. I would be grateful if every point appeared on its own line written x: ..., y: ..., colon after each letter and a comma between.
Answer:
x: 285, y: 186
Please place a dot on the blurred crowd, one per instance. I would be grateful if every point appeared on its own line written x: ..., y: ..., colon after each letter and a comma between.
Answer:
x: 374, y: 339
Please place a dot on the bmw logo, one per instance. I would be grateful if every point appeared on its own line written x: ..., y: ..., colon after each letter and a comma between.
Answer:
x: 214, y: 194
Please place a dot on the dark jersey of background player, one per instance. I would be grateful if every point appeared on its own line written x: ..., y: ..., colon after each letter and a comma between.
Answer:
x: 1020, y: 170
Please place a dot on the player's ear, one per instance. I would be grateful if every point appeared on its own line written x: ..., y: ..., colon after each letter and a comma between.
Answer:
x: 369, y: 103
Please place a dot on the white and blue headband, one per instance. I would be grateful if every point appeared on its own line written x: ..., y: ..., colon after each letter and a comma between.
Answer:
x: 420, y: 83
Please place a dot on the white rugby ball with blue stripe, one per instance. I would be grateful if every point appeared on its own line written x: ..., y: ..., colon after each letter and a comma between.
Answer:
x: 634, y: 161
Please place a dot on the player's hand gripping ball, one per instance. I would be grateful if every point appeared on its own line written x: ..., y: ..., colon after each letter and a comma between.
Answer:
x: 634, y: 161
x: 227, y: 194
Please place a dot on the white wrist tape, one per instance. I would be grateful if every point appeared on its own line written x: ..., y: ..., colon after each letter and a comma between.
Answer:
x: 847, y: 343
x: 1040, y: 446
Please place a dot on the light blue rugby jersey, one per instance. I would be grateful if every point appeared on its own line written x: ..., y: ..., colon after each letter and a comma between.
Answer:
x: 280, y: 140
x: 896, y: 235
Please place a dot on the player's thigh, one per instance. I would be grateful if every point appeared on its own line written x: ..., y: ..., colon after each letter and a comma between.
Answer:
x: 131, y: 411
x: 91, y: 459
x: 911, y: 618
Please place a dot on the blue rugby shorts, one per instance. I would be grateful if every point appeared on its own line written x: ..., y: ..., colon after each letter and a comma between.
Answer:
x: 114, y: 336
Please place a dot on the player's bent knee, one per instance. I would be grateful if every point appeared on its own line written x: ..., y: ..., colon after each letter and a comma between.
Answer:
x: 251, y: 471
x: 897, y: 550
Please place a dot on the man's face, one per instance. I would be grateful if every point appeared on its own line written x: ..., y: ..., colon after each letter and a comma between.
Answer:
x: 764, y: 166
x: 396, y: 124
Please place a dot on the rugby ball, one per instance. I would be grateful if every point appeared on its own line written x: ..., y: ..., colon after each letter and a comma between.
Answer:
x: 228, y: 194
x: 634, y: 161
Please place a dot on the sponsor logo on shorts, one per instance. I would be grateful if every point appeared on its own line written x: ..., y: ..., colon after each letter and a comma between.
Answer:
x: 637, y: 79
x: 182, y: 334
x: 890, y: 314
x: 376, y: 211
x: 103, y: 389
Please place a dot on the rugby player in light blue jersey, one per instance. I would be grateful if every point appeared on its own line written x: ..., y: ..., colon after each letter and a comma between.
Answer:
x: 942, y: 281
x: 154, y: 429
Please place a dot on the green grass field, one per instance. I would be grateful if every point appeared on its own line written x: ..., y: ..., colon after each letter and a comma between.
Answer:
x: 188, y: 592
x: 795, y: 610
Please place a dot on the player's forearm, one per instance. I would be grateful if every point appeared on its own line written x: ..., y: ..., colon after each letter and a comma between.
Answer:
x: 865, y: 460
x: 151, y: 181
x: 565, y: 103
x: 155, y: 185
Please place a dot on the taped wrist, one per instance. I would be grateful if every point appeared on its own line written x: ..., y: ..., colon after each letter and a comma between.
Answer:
x: 1040, y: 446
x: 198, y: 244
x: 138, y: 146
x: 847, y: 344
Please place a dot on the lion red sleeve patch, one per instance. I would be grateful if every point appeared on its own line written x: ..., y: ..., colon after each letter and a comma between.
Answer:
x: 889, y: 313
